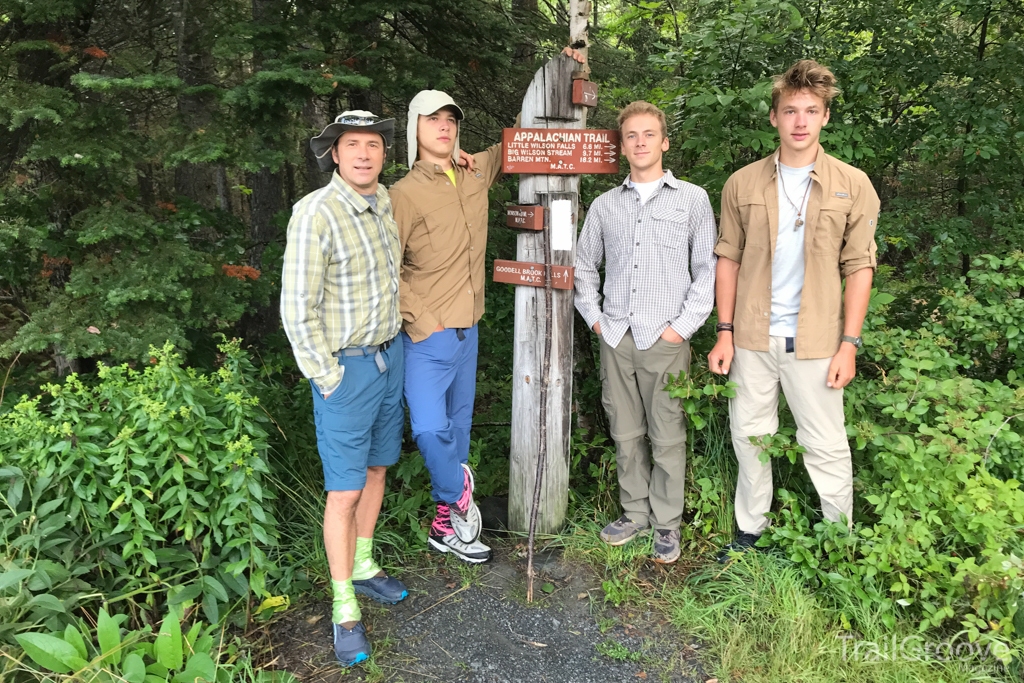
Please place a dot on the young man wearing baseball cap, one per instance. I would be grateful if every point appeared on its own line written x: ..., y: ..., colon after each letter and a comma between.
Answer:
x: 794, y: 226
x: 339, y: 306
x: 441, y: 210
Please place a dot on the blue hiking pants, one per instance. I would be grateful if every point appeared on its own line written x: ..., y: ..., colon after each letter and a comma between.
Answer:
x: 440, y: 385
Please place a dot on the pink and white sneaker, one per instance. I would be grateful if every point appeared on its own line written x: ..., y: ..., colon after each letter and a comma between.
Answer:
x: 443, y: 539
x: 465, y: 515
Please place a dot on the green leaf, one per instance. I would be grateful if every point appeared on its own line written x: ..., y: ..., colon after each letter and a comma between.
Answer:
x: 548, y: 588
x: 109, y: 636
x: 200, y: 667
x: 49, y: 651
x: 134, y: 670
x: 13, y: 577
x: 216, y: 588
x: 181, y: 594
x: 47, y: 602
x: 72, y: 636
x: 167, y: 648
x: 211, y: 608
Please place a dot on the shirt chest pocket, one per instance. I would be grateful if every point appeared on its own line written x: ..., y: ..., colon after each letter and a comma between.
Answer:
x: 754, y: 218
x: 440, y: 223
x: 832, y: 218
x: 671, y: 228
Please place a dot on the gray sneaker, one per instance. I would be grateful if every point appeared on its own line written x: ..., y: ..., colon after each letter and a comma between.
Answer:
x: 666, y: 546
x: 621, y: 531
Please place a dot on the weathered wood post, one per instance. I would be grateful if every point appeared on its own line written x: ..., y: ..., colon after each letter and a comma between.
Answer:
x: 543, y: 322
x: 542, y: 360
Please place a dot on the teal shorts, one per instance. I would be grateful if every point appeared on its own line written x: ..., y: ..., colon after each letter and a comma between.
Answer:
x: 361, y: 423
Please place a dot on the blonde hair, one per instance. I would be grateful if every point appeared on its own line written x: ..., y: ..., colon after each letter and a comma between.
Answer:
x: 808, y: 75
x: 640, y: 107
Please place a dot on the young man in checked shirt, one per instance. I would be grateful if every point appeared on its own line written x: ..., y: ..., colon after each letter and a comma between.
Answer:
x: 339, y: 306
x: 656, y: 236
x: 794, y: 226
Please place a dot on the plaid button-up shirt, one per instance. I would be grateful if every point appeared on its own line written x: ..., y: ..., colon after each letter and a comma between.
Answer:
x: 339, y: 288
x: 659, y: 262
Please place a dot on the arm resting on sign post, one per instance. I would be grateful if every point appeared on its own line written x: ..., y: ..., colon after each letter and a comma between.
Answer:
x: 589, y: 256
x: 420, y: 323
x: 700, y: 298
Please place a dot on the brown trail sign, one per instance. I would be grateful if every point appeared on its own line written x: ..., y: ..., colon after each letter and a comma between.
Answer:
x: 560, y: 151
x: 533, y: 274
x: 525, y: 217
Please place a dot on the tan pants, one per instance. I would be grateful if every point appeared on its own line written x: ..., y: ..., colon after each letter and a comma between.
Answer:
x: 651, y: 480
x: 818, y: 411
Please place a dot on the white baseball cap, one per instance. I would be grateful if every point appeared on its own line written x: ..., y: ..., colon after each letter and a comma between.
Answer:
x: 425, y: 103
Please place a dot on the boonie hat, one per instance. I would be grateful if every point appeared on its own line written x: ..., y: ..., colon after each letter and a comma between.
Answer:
x: 425, y: 103
x: 355, y: 119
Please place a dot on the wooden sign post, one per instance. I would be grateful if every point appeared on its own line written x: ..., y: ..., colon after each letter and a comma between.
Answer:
x: 554, y: 145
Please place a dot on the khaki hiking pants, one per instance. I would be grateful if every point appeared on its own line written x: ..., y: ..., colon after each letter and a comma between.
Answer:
x: 651, y: 479
x: 818, y: 411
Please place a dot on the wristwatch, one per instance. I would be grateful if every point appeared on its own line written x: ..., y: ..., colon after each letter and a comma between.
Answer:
x: 856, y: 341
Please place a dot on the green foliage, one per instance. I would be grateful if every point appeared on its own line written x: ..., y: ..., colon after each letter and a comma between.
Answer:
x: 171, y: 655
x: 150, y: 485
x: 936, y: 460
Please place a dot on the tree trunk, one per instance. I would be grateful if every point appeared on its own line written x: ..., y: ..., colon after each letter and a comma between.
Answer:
x: 195, y: 181
x: 314, y: 113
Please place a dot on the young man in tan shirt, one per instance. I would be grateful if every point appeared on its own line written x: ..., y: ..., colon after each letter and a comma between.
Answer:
x: 441, y: 211
x: 794, y: 226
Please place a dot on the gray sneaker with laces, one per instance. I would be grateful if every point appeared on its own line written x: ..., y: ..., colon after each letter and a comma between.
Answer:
x: 666, y: 546
x: 621, y: 531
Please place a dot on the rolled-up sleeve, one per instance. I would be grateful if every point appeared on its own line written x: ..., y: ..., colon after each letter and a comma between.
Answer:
x: 302, y: 293
x: 732, y: 236
x: 589, y: 256
x: 859, y: 248
x: 700, y: 297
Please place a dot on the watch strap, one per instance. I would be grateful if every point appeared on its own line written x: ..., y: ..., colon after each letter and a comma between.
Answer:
x: 856, y: 341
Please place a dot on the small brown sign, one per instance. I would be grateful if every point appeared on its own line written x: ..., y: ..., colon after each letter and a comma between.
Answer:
x: 585, y: 93
x: 525, y: 217
x: 532, y: 274
x: 562, y: 277
x: 560, y: 151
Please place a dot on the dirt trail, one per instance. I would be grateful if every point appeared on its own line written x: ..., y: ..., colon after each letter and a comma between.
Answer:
x: 463, y: 623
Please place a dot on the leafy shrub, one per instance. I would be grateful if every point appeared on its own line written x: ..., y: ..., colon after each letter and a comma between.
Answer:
x: 41, y: 559
x: 152, y: 482
x: 938, y: 456
x: 139, y: 656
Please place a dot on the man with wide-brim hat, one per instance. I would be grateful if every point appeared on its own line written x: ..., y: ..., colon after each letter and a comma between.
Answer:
x: 340, y: 310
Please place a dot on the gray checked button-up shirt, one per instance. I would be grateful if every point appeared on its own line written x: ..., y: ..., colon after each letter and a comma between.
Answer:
x: 659, y: 262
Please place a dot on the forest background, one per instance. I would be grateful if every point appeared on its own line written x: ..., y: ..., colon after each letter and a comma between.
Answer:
x: 155, y: 476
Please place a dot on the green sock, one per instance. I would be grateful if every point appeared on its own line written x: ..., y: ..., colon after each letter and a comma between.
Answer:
x: 364, y: 567
x: 345, y: 607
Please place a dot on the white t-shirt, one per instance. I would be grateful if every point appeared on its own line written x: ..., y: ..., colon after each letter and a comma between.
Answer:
x: 788, y: 259
x: 645, y: 189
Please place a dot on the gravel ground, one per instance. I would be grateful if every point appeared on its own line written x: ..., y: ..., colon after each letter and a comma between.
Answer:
x: 472, y: 624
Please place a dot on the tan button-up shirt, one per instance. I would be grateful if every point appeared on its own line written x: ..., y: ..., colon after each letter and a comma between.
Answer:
x: 443, y: 235
x: 839, y: 239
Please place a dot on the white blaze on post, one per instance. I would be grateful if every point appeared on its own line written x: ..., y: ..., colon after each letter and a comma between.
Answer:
x: 563, y: 229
